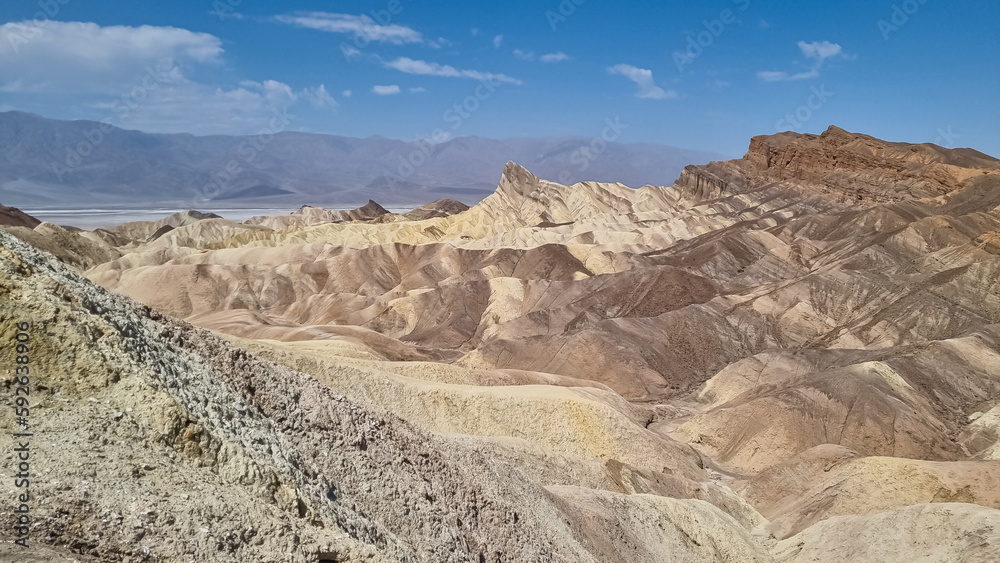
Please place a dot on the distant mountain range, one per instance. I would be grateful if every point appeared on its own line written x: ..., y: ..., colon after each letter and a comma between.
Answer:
x: 46, y: 163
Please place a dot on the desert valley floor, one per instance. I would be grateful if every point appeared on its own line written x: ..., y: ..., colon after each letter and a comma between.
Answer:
x: 789, y: 357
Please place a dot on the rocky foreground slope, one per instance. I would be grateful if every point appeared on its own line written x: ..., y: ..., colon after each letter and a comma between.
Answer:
x: 157, y: 441
x: 794, y: 356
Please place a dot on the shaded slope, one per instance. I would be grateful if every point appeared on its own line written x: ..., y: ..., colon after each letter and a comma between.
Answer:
x: 14, y: 217
x: 266, y: 452
x: 757, y: 310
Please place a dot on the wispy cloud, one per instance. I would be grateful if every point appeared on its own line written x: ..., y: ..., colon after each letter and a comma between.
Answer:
x: 134, y: 77
x: 227, y: 15
x: 524, y: 55
x: 280, y: 95
x: 644, y: 79
x: 820, y: 50
x: 817, y: 51
x: 782, y: 76
x: 202, y: 109
x: 85, y: 57
x: 498, y: 41
x: 350, y: 52
x: 411, y: 66
x: 547, y: 58
x: 554, y: 57
x: 360, y: 26
x: 386, y: 90
x: 418, y: 90
x: 319, y: 97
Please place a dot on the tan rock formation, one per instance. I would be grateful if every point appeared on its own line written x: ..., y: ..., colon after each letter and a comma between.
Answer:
x: 792, y: 356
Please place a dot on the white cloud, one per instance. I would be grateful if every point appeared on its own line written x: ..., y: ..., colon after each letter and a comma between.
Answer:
x: 524, y: 55
x: 280, y: 95
x: 361, y: 26
x: 781, y: 76
x: 411, y: 66
x: 418, y: 90
x: 131, y: 77
x: 200, y: 109
x: 547, y: 58
x: 223, y: 14
x: 644, y: 79
x: 319, y: 97
x: 474, y: 31
x: 818, y: 51
x: 498, y: 41
x: 85, y: 57
x: 346, y: 93
x: 554, y: 57
x: 386, y: 90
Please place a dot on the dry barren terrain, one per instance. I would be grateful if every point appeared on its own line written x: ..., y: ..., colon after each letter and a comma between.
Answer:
x: 793, y: 356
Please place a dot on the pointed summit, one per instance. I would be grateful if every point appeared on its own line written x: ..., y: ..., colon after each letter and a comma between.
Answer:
x: 371, y: 209
x: 517, y: 180
x: 834, y: 132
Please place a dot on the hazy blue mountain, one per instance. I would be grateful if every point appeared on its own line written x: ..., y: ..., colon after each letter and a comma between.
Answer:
x: 50, y: 163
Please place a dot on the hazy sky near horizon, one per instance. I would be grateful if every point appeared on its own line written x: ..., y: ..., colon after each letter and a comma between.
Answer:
x: 697, y: 75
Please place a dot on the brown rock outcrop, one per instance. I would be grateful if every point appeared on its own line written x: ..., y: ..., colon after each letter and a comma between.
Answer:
x: 14, y: 217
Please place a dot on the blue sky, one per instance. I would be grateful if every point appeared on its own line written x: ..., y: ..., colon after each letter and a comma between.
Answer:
x: 698, y: 75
